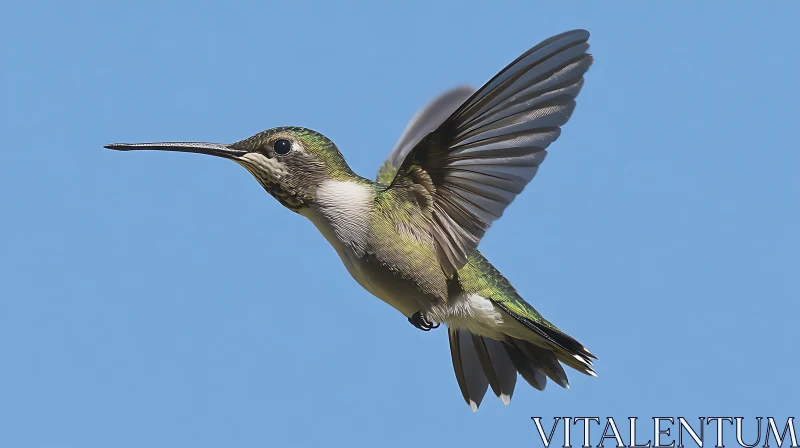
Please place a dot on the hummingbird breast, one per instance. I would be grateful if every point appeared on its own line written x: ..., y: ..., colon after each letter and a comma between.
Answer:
x: 381, y: 242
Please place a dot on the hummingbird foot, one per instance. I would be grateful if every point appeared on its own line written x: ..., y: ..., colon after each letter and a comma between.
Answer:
x: 421, y: 322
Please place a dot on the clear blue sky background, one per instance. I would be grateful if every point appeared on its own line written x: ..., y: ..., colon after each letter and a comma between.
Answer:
x: 163, y: 300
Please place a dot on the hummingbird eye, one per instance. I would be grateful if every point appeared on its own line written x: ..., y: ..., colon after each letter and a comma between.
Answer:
x: 282, y: 146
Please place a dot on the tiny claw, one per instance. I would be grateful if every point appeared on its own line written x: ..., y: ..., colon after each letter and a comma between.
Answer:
x: 421, y: 322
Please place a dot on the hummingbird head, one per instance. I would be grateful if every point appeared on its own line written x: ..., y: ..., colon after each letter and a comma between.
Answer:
x: 289, y: 162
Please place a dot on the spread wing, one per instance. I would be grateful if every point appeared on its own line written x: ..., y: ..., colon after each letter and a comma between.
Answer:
x: 425, y: 121
x: 481, y: 157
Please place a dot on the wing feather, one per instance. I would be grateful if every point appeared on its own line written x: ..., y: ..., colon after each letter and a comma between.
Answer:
x: 481, y: 156
x: 425, y: 121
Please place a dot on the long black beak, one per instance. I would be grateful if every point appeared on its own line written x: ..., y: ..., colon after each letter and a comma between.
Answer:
x: 212, y: 149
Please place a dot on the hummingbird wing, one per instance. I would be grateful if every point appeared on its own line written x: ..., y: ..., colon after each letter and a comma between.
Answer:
x: 482, y: 156
x: 425, y: 121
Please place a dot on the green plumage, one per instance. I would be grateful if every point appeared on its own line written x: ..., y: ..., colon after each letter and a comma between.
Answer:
x: 480, y: 277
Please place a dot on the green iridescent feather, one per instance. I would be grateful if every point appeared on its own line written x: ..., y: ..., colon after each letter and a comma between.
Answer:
x: 479, y: 276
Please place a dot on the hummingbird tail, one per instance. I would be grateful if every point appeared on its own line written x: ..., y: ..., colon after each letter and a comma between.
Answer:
x: 480, y: 362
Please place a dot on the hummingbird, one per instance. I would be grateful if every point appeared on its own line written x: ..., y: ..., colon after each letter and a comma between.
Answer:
x: 410, y: 237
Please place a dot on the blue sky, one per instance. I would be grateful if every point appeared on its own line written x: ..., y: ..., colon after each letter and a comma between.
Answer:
x: 161, y: 300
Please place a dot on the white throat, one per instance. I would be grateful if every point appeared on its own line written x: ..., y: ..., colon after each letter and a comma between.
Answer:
x: 341, y: 213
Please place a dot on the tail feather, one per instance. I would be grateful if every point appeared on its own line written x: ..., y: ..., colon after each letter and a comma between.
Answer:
x: 467, y: 366
x: 564, y: 347
x: 568, y: 343
x: 497, y: 366
x: 578, y: 363
x: 529, y: 369
x: 548, y: 360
